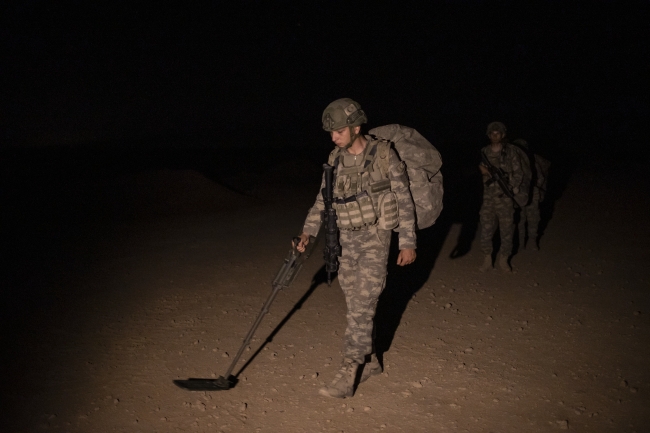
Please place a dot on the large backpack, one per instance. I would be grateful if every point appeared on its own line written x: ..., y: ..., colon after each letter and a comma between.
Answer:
x: 423, y: 164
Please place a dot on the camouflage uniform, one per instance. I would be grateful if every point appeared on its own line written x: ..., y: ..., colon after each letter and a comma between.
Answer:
x: 362, y: 272
x: 530, y: 214
x: 498, y: 209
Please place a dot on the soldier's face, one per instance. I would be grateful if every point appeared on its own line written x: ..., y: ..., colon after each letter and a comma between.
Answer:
x: 341, y: 137
x: 496, y: 136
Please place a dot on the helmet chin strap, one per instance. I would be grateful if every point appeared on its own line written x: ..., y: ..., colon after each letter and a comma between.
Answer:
x: 353, y: 137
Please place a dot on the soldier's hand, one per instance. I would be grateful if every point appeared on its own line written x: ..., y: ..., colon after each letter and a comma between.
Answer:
x: 304, y: 241
x: 406, y: 257
x: 483, y: 169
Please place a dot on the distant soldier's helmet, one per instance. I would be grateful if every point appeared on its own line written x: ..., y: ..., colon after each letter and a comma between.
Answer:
x: 496, y: 126
x: 341, y: 113
x: 521, y: 142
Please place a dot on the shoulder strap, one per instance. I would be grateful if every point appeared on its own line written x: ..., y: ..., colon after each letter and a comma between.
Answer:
x: 370, y: 156
x: 383, y: 149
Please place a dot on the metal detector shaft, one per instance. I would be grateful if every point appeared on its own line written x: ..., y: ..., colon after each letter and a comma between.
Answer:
x: 247, y: 339
x: 287, y: 273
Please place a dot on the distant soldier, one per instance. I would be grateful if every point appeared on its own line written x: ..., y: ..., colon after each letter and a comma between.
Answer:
x: 370, y: 203
x: 498, y: 209
x: 530, y: 214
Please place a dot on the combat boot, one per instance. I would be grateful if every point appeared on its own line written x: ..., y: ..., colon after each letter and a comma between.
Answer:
x: 503, y: 263
x: 487, y: 263
x: 371, y: 368
x: 343, y: 384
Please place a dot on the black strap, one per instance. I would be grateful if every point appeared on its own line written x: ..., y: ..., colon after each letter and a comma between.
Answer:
x: 371, y: 153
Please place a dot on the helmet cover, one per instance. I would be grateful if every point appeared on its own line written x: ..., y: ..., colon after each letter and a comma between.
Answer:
x: 496, y: 126
x: 341, y: 113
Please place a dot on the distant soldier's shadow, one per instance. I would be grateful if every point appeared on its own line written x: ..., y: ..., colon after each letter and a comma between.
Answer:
x: 404, y: 281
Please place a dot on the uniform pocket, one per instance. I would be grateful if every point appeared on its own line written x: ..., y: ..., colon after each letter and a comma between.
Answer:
x: 388, y: 211
x: 342, y: 215
x: 367, y: 209
x: 354, y: 213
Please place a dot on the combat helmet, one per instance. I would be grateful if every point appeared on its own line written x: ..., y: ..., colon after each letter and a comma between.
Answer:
x: 341, y: 113
x: 496, y: 126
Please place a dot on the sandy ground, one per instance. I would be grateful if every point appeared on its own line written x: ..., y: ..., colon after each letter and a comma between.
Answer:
x: 562, y: 343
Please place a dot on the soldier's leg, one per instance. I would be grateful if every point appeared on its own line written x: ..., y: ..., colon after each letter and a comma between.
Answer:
x: 343, y: 383
x: 372, y: 366
x: 488, y: 219
x: 506, y: 216
x: 361, y: 298
x: 362, y: 277
x: 523, y: 218
x: 348, y: 262
x: 533, y: 222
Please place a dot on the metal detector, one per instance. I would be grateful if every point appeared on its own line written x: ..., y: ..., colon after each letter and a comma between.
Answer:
x: 287, y: 273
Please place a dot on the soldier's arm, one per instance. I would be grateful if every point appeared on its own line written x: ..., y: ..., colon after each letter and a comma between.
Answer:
x: 399, y: 184
x: 485, y: 173
x: 313, y: 220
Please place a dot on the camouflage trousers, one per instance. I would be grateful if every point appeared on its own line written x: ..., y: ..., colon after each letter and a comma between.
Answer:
x: 497, y: 212
x: 362, y: 275
x: 529, y: 215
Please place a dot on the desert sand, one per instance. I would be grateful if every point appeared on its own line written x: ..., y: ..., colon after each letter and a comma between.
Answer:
x: 167, y: 277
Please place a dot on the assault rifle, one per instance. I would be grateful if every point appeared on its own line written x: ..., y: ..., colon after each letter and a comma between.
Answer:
x: 499, y: 176
x: 332, y: 250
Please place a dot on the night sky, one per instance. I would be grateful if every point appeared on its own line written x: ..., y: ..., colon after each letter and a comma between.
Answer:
x: 563, y: 75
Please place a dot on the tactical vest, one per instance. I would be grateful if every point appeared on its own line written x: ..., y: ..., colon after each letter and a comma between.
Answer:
x: 361, y: 190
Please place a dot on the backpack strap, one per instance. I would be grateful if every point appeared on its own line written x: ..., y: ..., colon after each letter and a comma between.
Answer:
x: 383, y: 149
x: 370, y: 157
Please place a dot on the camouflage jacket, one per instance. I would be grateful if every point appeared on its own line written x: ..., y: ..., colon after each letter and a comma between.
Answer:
x: 399, y: 184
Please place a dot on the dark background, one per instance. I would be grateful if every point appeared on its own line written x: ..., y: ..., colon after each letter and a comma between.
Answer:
x: 210, y: 75
x: 92, y: 90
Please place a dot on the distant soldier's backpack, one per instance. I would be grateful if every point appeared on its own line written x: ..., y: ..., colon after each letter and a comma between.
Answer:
x: 423, y: 165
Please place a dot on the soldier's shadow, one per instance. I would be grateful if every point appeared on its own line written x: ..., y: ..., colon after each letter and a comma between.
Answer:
x: 405, y: 281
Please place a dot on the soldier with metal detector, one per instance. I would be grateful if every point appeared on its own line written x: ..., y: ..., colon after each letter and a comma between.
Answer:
x: 367, y: 202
